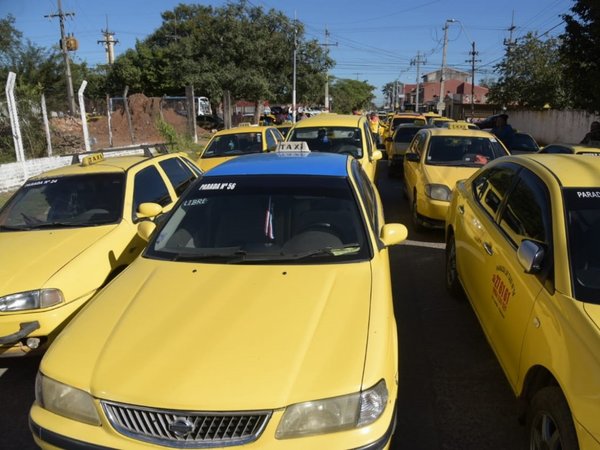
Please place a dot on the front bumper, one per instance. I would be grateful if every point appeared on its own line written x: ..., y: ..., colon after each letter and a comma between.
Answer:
x: 376, y: 436
x: 433, y: 212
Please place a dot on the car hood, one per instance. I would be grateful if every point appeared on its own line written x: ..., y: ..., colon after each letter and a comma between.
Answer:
x: 208, y: 163
x: 220, y: 337
x: 448, y: 175
x: 29, y: 258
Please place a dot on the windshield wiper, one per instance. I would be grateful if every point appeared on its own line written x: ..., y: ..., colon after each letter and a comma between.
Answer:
x: 327, y: 251
x: 57, y: 225
x: 203, y: 256
x: 13, y: 228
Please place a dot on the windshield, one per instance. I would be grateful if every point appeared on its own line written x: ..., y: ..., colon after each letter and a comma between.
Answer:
x: 345, y: 140
x: 264, y: 219
x: 522, y: 143
x: 582, y: 209
x: 234, y: 144
x: 463, y: 151
x: 67, y: 201
x: 400, y: 120
x: 405, y: 134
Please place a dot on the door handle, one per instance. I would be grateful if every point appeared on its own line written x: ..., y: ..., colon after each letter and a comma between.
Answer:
x: 461, y: 209
x: 488, y: 248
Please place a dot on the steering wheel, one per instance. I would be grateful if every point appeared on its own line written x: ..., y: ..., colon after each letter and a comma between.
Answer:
x: 324, y: 227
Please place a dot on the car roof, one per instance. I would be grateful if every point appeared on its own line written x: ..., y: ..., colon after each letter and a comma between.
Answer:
x: 577, y: 148
x: 243, y: 129
x: 469, y: 132
x: 571, y: 170
x: 108, y: 165
x: 327, y: 119
x: 274, y: 163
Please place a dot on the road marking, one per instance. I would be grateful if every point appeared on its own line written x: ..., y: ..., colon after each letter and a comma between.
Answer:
x: 439, y: 245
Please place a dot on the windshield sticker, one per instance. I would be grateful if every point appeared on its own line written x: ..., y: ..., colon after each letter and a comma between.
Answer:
x: 217, y: 186
x: 41, y: 182
x: 503, y: 289
x: 588, y: 194
x: 195, y: 202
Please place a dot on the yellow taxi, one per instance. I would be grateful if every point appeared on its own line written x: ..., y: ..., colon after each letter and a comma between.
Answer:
x: 259, y: 316
x: 396, y: 119
x: 435, y: 160
x: 399, y: 143
x: 67, y: 232
x: 523, y: 241
x: 339, y: 133
x: 573, y: 149
x: 241, y: 140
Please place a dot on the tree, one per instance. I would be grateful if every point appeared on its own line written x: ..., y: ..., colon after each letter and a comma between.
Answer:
x: 530, y: 75
x: 348, y: 94
x: 235, y: 47
x: 580, y: 52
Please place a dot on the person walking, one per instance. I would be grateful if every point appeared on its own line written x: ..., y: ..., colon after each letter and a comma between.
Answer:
x: 502, y: 130
x: 593, y: 135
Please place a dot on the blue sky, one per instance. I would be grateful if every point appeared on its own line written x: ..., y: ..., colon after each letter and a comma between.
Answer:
x: 376, y: 41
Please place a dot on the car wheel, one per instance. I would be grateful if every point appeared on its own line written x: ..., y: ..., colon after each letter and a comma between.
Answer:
x: 417, y: 222
x: 550, y: 423
x: 453, y: 285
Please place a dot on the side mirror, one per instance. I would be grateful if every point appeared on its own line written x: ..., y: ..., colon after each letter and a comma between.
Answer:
x: 412, y: 157
x: 377, y: 155
x: 531, y: 256
x: 145, y: 229
x: 148, y: 210
x: 393, y: 233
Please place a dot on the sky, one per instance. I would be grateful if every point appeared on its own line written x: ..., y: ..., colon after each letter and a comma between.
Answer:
x: 377, y: 42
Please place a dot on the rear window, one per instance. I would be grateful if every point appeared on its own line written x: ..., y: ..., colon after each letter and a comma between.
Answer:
x: 582, y: 210
x: 345, y: 140
x: 467, y: 151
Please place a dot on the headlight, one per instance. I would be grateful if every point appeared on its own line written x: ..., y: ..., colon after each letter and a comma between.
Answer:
x: 41, y: 298
x: 65, y: 400
x: 333, y: 414
x: 438, y: 192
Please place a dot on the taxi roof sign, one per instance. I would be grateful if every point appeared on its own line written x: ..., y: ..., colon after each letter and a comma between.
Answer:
x: 92, y: 159
x: 292, y: 147
x: 458, y: 126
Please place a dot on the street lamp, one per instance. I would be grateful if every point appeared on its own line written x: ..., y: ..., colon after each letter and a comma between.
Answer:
x: 441, y: 104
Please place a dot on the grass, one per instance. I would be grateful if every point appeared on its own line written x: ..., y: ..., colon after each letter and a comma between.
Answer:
x: 4, y: 196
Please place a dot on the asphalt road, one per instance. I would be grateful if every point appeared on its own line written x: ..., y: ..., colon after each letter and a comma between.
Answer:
x: 452, y: 395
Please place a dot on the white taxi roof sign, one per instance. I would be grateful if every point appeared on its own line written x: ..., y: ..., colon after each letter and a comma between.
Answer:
x: 292, y: 147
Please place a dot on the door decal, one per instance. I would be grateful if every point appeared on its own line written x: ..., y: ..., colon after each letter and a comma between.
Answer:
x: 503, y: 288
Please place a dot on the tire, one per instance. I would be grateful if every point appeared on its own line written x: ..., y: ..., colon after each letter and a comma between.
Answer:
x: 417, y: 222
x: 453, y: 285
x: 550, y: 423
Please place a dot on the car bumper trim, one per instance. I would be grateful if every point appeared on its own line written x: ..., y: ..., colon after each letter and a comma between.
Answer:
x: 61, y: 441
x: 383, y: 441
x: 26, y: 328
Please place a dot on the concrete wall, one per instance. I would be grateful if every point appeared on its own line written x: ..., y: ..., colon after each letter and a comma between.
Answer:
x: 553, y: 126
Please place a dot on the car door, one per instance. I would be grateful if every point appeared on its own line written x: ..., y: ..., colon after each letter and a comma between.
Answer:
x: 524, y: 215
x: 411, y: 169
x: 368, y: 163
x: 474, y: 231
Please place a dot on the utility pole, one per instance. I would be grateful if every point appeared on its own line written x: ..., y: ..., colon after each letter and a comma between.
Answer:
x: 294, y: 75
x: 63, y: 46
x: 109, y: 42
x: 473, y: 54
x: 510, y: 42
x: 327, y: 44
x: 420, y: 59
x: 441, y: 104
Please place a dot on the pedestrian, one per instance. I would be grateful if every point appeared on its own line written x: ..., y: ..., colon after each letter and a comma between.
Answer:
x: 355, y: 111
x: 593, y: 136
x: 374, y: 126
x: 502, y: 130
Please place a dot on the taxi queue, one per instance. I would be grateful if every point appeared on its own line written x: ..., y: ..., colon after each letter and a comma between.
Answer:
x: 521, y: 246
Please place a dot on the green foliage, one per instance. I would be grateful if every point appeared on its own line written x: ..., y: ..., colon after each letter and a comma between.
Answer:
x: 235, y: 47
x: 530, y: 75
x: 175, y: 141
x: 348, y: 94
x: 580, y: 52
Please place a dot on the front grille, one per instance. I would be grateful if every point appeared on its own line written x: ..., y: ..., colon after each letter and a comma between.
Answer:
x: 186, y: 429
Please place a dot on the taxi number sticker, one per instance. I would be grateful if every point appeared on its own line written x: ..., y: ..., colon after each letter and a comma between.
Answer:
x: 42, y: 182
x: 503, y: 289
x: 217, y: 186
x: 588, y: 194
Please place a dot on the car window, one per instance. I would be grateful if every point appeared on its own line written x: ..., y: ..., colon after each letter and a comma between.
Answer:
x: 490, y: 187
x: 279, y: 134
x: 526, y: 214
x: 149, y: 187
x: 556, y: 149
x: 368, y: 139
x: 264, y: 219
x: 345, y: 140
x: 234, y: 144
x: 418, y: 144
x: 405, y: 134
x: 178, y: 174
x: 582, y: 211
x: 271, y: 141
x: 77, y: 200
x: 466, y: 151
x: 367, y: 194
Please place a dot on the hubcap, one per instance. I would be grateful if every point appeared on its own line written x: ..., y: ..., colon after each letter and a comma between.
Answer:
x: 545, y: 435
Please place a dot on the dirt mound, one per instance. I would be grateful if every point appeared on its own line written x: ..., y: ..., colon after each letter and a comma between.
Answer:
x: 67, y: 133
